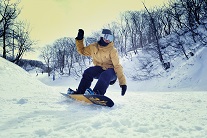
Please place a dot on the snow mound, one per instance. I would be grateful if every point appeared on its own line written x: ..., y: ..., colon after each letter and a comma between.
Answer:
x: 189, y: 75
x: 16, y: 82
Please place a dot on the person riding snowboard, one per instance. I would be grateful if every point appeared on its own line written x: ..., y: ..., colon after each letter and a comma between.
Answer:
x: 106, y: 65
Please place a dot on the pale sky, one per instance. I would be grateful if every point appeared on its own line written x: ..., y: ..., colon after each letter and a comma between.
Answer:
x: 53, y: 19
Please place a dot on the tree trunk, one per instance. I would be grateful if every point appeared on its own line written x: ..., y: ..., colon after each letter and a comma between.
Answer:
x: 156, y: 36
x: 4, y: 45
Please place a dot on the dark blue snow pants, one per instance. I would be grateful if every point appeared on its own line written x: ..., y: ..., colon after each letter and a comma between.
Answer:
x: 96, y: 72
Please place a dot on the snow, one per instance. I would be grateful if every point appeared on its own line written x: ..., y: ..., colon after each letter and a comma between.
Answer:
x: 174, y: 105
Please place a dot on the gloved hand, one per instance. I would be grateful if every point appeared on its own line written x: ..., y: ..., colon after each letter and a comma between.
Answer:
x: 123, y: 89
x: 80, y: 34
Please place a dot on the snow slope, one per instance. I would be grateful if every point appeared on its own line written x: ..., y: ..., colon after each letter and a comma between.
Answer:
x: 31, y: 109
x: 184, y: 75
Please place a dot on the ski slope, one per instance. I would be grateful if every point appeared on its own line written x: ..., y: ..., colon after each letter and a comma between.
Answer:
x: 31, y: 108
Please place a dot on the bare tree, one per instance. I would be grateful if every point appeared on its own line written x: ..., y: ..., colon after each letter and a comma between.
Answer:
x: 60, y: 50
x: 193, y: 10
x: 122, y: 35
x: 155, y: 33
x: 47, y: 54
x: 23, y: 41
x: 70, y: 53
x: 9, y: 12
x: 166, y: 22
x: 136, y: 32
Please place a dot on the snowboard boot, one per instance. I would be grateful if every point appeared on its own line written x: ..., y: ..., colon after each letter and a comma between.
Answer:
x: 89, y: 91
x: 70, y: 91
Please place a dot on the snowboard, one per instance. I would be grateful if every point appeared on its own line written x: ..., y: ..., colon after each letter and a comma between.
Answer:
x: 91, y: 99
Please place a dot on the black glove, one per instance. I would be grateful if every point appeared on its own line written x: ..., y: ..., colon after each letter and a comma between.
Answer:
x: 123, y: 89
x: 80, y: 34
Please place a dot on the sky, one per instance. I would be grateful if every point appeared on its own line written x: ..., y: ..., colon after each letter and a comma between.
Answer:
x: 53, y: 19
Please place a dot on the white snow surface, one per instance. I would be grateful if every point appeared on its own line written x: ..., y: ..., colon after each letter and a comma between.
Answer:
x: 173, y: 106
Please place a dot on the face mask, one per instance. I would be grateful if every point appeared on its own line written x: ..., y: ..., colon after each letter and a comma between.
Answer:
x: 102, y: 42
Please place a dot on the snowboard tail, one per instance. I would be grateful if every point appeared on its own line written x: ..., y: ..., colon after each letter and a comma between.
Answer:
x: 91, y: 99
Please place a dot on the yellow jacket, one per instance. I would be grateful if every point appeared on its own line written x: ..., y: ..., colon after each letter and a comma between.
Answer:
x: 106, y: 57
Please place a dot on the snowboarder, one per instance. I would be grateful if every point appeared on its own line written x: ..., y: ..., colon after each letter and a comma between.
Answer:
x: 106, y: 65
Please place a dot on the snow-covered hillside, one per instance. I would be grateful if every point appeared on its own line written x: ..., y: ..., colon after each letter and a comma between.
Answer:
x: 30, y: 108
x: 184, y: 75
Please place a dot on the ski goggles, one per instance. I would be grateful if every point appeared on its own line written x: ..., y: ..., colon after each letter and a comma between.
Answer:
x: 108, y: 37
